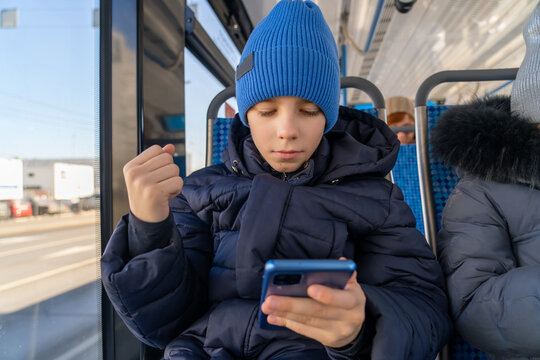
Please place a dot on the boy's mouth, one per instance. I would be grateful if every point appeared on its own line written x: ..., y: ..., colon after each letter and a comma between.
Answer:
x: 287, y: 154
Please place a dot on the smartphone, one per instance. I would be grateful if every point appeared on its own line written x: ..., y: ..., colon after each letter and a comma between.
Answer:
x: 293, y: 277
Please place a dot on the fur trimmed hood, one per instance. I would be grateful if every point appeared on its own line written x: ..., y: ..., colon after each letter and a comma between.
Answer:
x: 485, y: 139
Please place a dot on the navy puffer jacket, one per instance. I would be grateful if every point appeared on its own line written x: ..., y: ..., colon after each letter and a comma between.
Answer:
x: 489, y: 242
x: 199, y: 272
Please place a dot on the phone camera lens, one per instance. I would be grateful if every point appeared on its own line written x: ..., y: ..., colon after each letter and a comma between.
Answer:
x: 287, y: 279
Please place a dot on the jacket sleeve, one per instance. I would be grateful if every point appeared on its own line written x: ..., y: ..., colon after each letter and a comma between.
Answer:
x: 495, y: 303
x: 156, y: 275
x: 404, y: 289
x: 360, y: 348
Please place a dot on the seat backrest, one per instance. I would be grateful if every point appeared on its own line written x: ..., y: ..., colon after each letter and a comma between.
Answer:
x: 405, y: 175
x: 443, y: 179
x: 437, y: 180
x: 220, y: 135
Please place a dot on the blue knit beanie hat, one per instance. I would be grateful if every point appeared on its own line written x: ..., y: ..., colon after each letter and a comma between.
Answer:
x: 290, y: 53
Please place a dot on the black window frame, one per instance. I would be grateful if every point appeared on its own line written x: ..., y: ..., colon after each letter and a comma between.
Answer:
x: 115, y: 150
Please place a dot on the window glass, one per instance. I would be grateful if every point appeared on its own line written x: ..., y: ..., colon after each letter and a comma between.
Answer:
x: 49, y: 189
x: 211, y: 24
x: 201, y: 87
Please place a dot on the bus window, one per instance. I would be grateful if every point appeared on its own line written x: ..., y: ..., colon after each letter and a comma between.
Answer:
x: 211, y: 24
x: 201, y: 87
x: 49, y: 188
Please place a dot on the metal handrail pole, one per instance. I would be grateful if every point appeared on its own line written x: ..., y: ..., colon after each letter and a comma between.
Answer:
x: 366, y: 86
x: 211, y: 116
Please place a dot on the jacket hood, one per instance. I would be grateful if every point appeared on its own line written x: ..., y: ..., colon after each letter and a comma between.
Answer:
x: 487, y: 140
x: 359, y: 144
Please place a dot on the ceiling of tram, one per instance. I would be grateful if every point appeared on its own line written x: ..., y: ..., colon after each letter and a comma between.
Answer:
x: 435, y: 35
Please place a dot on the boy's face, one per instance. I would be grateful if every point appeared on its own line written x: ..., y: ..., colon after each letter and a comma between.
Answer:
x: 286, y: 130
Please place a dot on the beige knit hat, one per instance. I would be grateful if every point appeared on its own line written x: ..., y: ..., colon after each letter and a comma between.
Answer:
x: 399, y: 104
x: 525, y: 98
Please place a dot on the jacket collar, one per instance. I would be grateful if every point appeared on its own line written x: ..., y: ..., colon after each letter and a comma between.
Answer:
x: 359, y: 144
x: 485, y: 139
x: 254, y: 164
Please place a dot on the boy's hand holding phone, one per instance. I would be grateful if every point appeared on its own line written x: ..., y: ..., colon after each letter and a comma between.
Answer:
x: 334, y: 317
x: 152, y: 179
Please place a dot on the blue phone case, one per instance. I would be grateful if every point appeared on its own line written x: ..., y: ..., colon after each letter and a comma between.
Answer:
x: 293, y: 277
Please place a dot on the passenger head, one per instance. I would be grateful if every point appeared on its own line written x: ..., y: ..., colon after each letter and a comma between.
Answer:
x: 400, y: 112
x: 526, y: 89
x: 287, y: 83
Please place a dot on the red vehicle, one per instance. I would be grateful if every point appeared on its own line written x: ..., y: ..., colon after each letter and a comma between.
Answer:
x: 20, y: 208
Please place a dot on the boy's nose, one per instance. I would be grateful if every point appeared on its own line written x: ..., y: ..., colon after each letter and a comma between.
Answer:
x: 287, y: 129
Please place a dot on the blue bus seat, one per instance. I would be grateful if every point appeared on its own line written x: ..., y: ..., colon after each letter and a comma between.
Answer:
x: 405, y: 175
x: 444, y: 180
x: 220, y: 136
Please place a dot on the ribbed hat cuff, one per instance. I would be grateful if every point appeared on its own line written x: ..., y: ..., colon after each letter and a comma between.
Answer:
x: 291, y: 71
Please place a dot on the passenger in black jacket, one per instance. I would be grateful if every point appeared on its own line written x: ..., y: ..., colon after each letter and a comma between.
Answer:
x: 489, y: 243
x: 184, y: 270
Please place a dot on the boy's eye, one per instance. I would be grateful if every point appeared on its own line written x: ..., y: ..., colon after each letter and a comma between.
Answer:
x: 266, y: 112
x: 310, y: 112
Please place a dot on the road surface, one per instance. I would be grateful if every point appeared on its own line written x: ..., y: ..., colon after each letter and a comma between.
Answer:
x: 49, y: 294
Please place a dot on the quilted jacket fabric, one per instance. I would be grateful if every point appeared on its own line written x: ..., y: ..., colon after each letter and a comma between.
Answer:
x: 192, y: 283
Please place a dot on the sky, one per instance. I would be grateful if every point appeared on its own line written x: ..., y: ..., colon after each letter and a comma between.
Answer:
x: 48, y: 73
x: 48, y: 81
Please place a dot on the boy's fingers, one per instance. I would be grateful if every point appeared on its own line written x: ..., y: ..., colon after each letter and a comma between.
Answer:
x: 151, y: 153
x: 146, y: 155
x: 301, y: 307
x: 172, y: 186
x: 344, y: 299
x: 169, y: 148
x: 352, y: 279
x: 297, y: 305
x: 164, y: 173
x: 316, y: 320
x: 157, y: 162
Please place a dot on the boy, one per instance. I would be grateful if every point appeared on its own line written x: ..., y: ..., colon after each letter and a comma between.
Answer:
x: 184, y: 268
